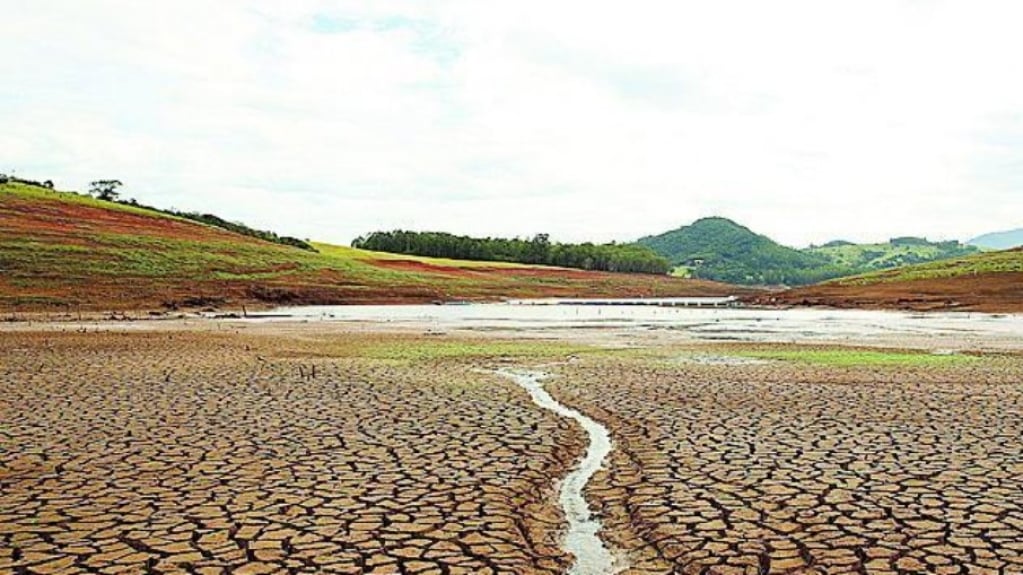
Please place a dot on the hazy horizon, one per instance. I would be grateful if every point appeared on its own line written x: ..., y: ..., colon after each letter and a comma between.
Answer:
x: 804, y: 121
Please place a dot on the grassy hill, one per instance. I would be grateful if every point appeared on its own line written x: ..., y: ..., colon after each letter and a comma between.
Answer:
x: 991, y: 281
x: 62, y: 249
x: 990, y: 264
x: 722, y: 250
x: 897, y: 252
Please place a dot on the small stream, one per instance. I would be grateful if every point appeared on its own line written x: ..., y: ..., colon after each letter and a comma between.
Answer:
x: 592, y: 557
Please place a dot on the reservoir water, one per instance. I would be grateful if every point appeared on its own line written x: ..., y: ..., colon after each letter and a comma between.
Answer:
x: 701, y: 324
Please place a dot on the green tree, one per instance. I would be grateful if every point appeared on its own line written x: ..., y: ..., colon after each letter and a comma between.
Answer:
x: 105, y: 189
x: 537, y: 250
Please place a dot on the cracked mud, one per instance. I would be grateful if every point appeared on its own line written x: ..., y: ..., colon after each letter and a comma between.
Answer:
x: 781, y: 468
x: 292, y: 450
x: 201, y: 453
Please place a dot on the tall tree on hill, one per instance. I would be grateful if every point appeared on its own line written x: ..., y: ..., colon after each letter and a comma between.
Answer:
x: 105, y: 189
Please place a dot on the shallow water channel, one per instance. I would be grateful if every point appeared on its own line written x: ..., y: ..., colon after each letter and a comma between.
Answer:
x: 592, y: 557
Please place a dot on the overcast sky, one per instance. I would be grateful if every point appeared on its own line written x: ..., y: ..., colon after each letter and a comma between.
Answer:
x: 807, y: 121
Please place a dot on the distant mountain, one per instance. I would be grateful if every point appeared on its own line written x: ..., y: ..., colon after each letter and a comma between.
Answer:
x: 720, y: 249
x: 999, y: 240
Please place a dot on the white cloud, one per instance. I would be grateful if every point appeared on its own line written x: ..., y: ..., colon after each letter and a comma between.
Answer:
x: 804, y: 120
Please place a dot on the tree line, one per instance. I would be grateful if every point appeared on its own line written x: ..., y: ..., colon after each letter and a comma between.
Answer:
x: 240, y: 228
x: 8, y: 179
x: 612, y: 257
x: 765, y: 272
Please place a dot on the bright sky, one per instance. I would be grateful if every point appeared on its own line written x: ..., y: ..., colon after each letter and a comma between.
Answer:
x: 807, y: 121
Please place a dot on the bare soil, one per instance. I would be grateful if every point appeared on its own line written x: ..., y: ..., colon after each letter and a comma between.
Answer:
x: 785, y: 468
x: 208, y: 447
x: 206, y: 452
x: 993, y: 292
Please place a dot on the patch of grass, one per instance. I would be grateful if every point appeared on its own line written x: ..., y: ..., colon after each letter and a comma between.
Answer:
x: 425, y: 350
x: 681, y: 272
x: 858, y: 357
x: 345, y: 253
x: 23, y: 191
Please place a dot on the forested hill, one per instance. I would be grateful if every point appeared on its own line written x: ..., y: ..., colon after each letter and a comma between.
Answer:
x: 720, y: 249
x: 538, y: 250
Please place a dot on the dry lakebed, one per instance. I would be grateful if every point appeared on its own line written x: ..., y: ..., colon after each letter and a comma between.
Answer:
x: 542, y: 441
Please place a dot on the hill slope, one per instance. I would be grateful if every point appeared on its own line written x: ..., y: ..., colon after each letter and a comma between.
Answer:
x: 897, y: 252
x: 61, y: 249
x: 999, y: 240
x: 990, y: 282
x: 720, y: 249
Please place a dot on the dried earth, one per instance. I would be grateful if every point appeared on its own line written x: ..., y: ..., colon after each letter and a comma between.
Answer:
x: 753, y: 468
x: 180, y: 452
x: 208, y: 447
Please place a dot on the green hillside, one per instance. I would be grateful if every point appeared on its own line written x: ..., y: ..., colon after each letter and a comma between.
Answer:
x: 971, y: 266
x: 895, y: 253
x: 64, y: 250
x: 722, y: 249
x: 988, y: 282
